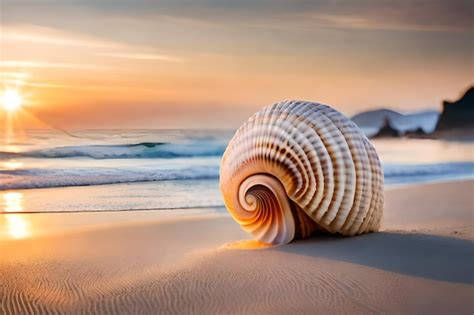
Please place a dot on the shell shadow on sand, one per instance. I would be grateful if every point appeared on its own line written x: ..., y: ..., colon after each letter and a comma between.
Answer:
x: 421, y: 255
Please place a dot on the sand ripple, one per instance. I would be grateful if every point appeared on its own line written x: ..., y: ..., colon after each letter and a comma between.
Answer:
x: 236, y: 281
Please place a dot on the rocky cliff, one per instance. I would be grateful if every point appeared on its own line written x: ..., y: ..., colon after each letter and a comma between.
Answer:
x: 459, y: 114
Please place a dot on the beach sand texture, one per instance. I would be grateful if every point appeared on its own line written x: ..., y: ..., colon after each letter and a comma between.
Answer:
x: 421, y: 262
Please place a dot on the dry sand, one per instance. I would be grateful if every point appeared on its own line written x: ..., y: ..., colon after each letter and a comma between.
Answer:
x: 422, y: 262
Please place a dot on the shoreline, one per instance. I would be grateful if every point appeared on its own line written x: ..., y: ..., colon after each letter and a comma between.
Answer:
x: 57, y: 195
x: 462, y: 177
x: 203, y: 262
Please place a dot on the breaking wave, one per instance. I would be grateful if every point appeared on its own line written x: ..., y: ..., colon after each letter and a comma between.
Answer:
x: 142, y: 150
x: 47, y: 178
x: 413, y: 173
x: 88, y: 176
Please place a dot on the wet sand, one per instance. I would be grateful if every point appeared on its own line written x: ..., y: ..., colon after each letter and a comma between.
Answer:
x: 421, y: 262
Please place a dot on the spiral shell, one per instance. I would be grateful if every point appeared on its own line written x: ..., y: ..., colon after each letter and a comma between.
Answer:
x: 298, y: 167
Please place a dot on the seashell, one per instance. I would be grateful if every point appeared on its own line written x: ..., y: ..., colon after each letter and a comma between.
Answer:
x: 295, y: 168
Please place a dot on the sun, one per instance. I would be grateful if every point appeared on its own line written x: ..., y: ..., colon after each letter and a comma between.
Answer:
x: 11, y: 100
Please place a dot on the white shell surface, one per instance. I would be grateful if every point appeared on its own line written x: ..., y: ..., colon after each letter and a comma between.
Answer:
x: 295, y: 167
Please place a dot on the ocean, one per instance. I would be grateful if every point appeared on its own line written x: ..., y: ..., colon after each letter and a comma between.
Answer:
x: 125, y: 170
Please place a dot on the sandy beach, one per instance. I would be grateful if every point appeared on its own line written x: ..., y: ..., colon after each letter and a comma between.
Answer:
x: 151, y: 262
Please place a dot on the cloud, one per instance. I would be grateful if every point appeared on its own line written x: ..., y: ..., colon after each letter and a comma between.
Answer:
x: 424, y: 15
x: 51, y: 36
x: 45, y: 64
x: 377, y: 23
x: 68, y: 86
x: 36, y: 36
x: 16, y: 75
x: 416, y: 15
x: 141, y: 56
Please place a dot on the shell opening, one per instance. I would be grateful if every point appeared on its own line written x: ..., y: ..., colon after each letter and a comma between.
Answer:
x: 265, y: 210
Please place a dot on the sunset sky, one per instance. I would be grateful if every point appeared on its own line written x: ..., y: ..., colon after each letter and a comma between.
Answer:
x: 195, y: 64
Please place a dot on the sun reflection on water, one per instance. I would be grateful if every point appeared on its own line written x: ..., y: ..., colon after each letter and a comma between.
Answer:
x: 15, y: 225
x: 12, y: 202
x: 12, y: 165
